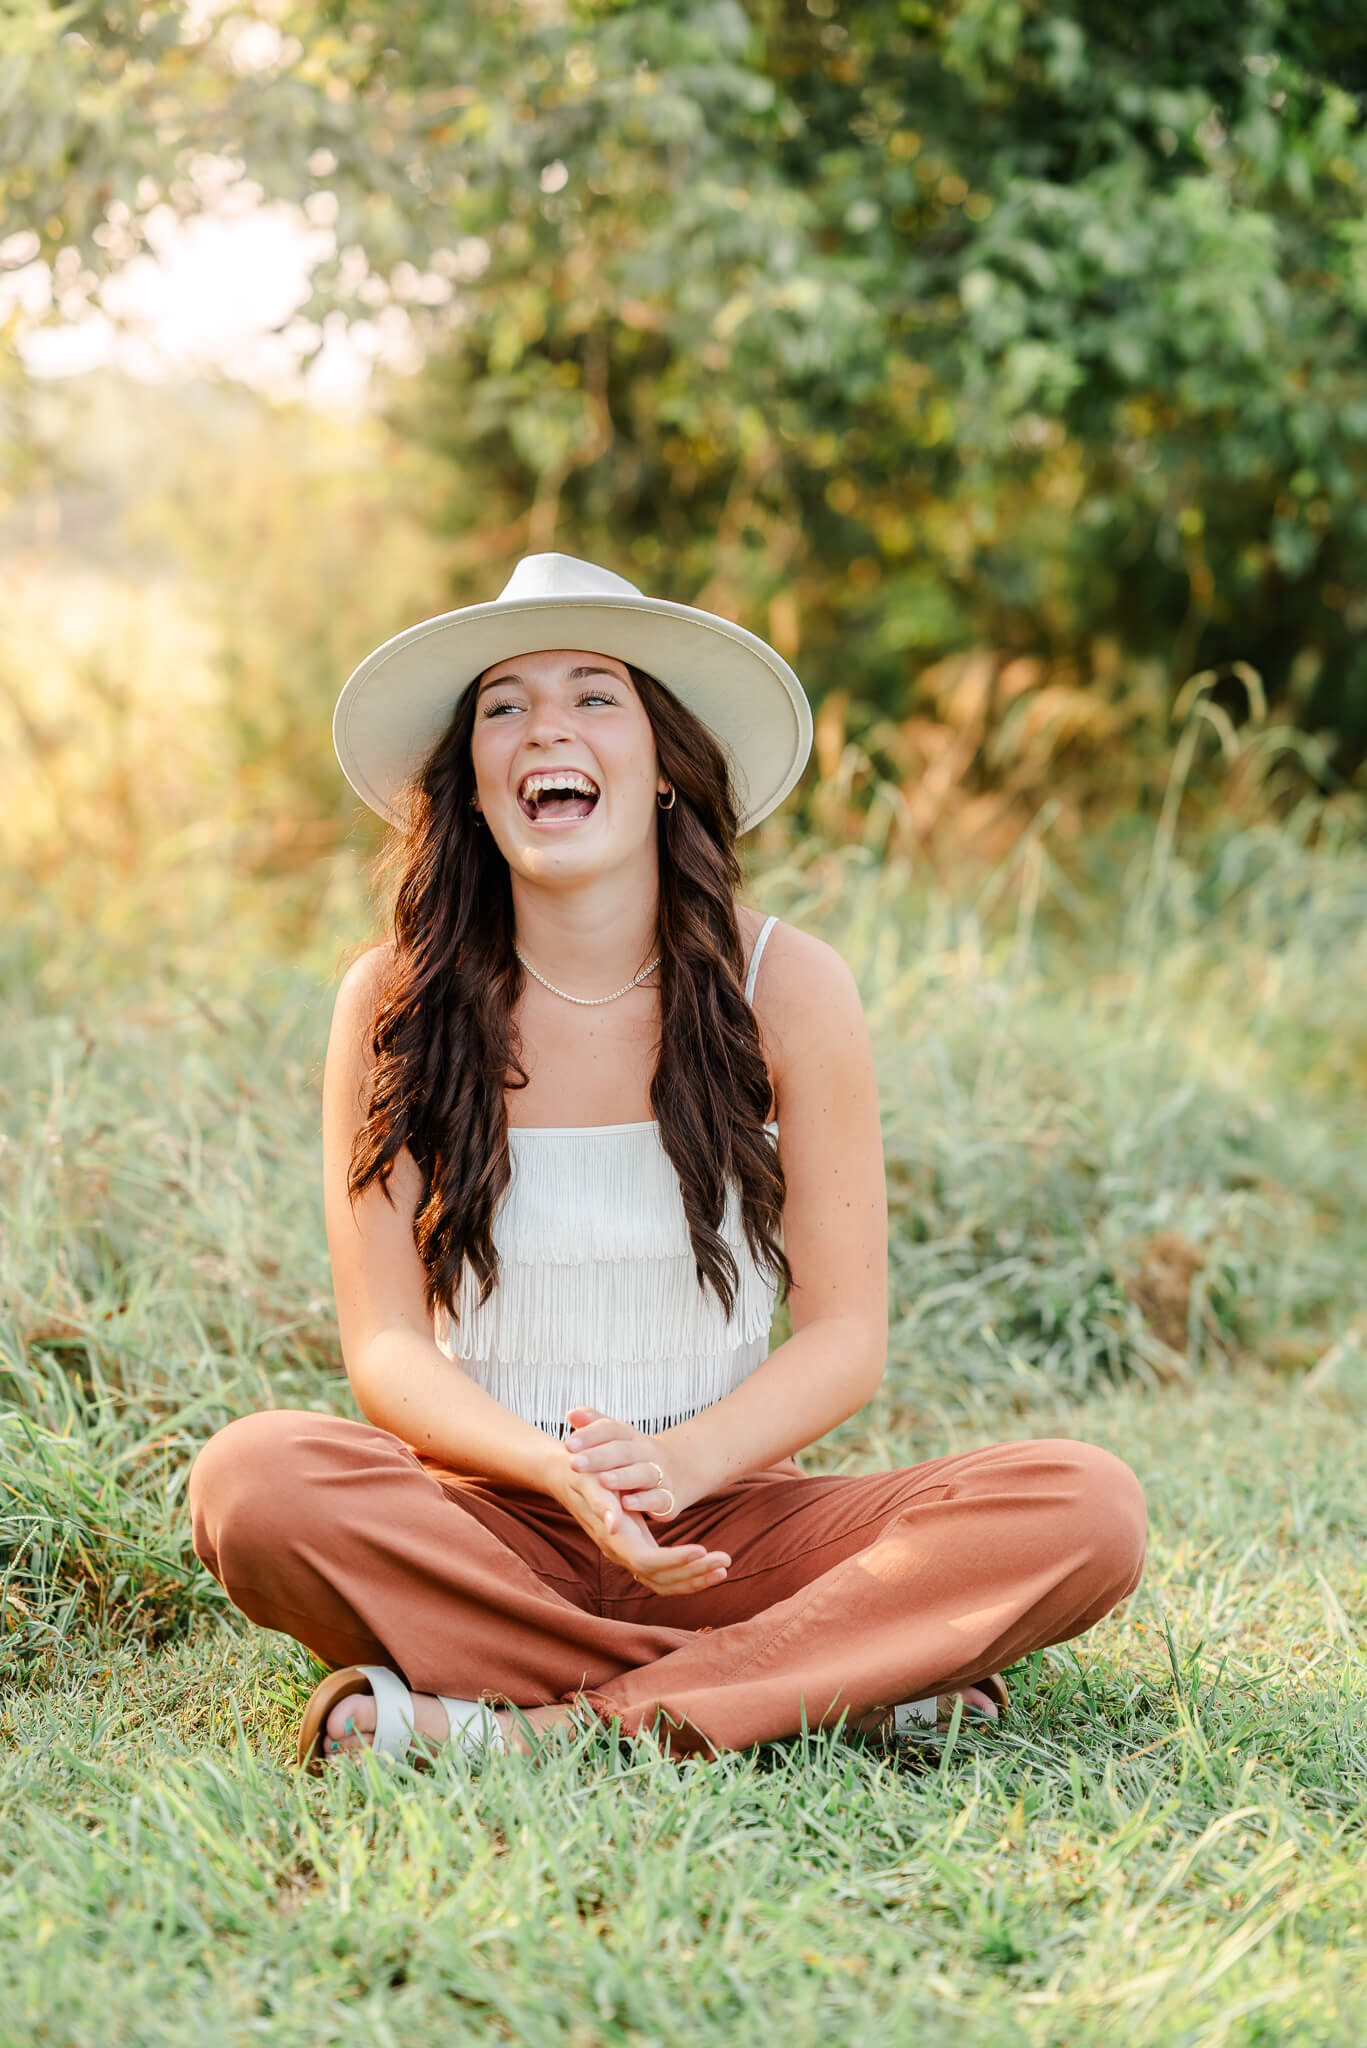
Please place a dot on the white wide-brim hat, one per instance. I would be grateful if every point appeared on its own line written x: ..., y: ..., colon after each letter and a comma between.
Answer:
x: 395, y: 705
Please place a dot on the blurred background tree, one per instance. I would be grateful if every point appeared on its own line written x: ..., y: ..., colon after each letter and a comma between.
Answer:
x: 1001, y: 361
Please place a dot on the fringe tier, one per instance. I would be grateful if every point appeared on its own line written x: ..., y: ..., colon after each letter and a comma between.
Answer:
x: 599, y: 1300
x: 637, y: 1393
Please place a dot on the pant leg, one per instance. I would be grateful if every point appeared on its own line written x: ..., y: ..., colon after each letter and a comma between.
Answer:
x: 334, y: 1532
x: 844, y: 1593
x: 854, y: 1592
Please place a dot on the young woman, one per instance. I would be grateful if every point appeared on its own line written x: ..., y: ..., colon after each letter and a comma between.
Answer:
x: 554, y: 1185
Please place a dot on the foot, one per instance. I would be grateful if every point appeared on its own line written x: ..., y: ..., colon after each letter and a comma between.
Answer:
x: 351, y: 1724
x: 972, y: 1696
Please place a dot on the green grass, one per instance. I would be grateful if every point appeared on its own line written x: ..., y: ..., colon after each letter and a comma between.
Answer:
x: 1128, y: 1183
x: 1166, y: 1839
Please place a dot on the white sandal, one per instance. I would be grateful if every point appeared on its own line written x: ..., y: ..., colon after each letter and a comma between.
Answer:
x: 916, y: 1723
x: 913, y: 1718
x: 471, y: 1722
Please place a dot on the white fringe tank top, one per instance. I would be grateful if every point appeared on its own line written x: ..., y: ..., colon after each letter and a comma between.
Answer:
x: 598, y: 1301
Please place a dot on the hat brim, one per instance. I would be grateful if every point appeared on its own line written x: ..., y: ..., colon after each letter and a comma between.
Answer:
x: 397, y: 702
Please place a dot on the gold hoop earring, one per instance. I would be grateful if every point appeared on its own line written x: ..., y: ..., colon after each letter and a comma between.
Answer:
x: 672, y: 794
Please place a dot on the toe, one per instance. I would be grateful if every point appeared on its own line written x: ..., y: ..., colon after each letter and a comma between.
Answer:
x: 976, y: 1703
x: 359, y: 1709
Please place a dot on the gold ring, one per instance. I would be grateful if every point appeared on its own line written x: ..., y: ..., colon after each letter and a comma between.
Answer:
x: 664, y: 1513
x: 659, y: 1477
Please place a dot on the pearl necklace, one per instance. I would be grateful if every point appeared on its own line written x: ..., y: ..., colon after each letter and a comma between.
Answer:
x: 589, y: 1001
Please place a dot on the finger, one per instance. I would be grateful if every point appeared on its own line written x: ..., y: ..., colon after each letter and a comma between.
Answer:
x: 693, y: 1577
x: 675, y: 1584
x: 656, y: 1501
x: 604, y: 1431
x: 598, y: 1498
x: 666, y: 1565
x: 624, y: 1476
x: 600, y: 1458
x: 627, y: 1526
x: 639, y: 1551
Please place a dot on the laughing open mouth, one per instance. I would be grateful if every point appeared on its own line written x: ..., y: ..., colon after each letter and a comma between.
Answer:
x: 558, y: 793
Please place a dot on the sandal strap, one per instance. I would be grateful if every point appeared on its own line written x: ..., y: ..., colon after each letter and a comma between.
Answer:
x: 472, y: 1724
x: 916, y: 1714
x: 394, y: 1720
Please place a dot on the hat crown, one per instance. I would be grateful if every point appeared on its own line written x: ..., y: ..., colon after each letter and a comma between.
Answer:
x: 398, y: 702
x: 562, y: 576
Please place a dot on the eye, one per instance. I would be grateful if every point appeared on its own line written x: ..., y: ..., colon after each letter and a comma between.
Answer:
x: 509, y: 703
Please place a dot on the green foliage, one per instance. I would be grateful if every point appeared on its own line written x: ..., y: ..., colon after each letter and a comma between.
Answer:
x: 92, y: 1532
x: 1092, y: 1172
x: 157, y: 1276
x: 893, y: 328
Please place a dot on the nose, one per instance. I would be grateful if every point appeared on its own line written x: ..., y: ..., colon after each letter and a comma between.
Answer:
x: 547, y: 723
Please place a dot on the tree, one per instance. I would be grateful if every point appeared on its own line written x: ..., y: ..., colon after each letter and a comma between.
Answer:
x: 894, y: 329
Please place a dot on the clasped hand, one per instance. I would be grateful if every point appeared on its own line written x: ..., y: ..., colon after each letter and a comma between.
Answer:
x: 610, y: 1483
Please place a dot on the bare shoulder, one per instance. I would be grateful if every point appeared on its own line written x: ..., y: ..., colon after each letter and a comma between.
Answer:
x: 355, y: 1002
x: 806, y: 1002
x: 359, y: 986
x: 789, y: 960
x: 369, y: 964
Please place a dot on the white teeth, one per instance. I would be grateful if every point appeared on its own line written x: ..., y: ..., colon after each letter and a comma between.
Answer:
x: 570, y: 779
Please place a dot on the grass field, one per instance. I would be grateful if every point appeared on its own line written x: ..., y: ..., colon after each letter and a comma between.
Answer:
x: 1128, y: 1180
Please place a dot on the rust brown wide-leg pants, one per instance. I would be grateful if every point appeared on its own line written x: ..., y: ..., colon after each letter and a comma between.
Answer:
x: 845, y: 1594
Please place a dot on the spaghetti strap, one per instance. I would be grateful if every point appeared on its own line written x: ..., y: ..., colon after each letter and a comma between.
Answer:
x: 764, y: 932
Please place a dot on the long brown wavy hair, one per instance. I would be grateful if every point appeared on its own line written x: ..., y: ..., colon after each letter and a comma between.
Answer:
x: 445, y: 1044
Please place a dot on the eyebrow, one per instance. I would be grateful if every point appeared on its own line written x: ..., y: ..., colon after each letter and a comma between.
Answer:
x: 591, y: 669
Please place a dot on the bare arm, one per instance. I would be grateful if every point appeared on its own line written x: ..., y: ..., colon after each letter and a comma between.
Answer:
x: 401, y: 1380
x: 835, y: 1229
